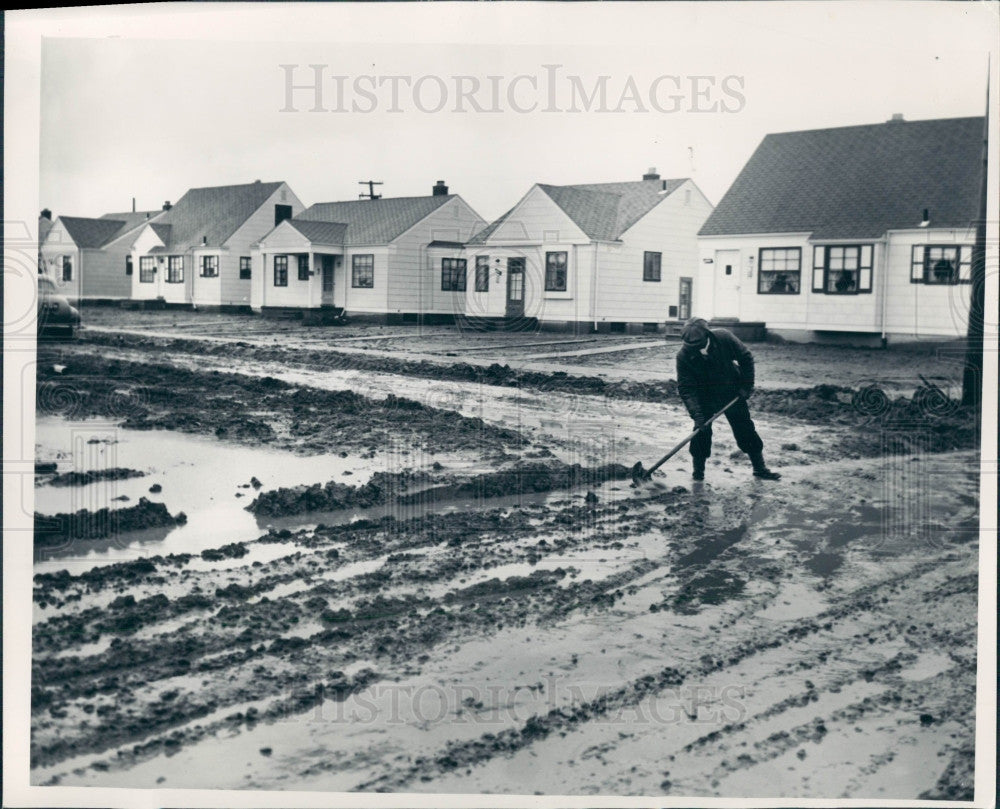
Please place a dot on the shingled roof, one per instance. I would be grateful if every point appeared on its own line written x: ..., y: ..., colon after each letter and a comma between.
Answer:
x: 373, y: 221
x: 91, y: 233
x: 856, y: 181
x: 132, y: 219
x: 210, y: 215
x: 320, y: 232
x: 603, y: 211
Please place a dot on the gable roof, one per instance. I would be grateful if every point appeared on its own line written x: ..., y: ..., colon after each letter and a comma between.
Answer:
x: 603, y: 211
x: 374, y: 221
x: 213, y: 214
x: 132, y: 219
x: 90, y: 233
x: 856, y: 181
x: 320, y: 232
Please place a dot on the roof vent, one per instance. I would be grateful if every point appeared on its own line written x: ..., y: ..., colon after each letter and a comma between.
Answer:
x: 439, y: 189
x: 651, y: 174
x: 897, y: 118
x: 167, y: 206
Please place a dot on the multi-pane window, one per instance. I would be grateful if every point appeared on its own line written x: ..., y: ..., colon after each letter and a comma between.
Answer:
x: 175, y: 270
x: 651, y: 266
x: 147, y: 269
x: 780, y: 271
x: 453, y: 274
x: 363, y: 271
x: 303, y: 267
x: 941, y: 264
x: 281, y: 271
x: 67, y: 268
x: 208, y: 266
x: 555, y: 271
x: 244, y: 267
x: 128, y: 264
x: 843, y: 269
x: 482, y: 273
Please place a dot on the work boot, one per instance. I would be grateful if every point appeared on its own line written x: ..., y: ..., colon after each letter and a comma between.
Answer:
x: 760, y: 469
x: 699, y: 469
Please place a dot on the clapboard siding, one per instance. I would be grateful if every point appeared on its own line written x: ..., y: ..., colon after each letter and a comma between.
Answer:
x: 232, y: 290
x: 414, y: 272
x: 102, y: 274
x: 671, y: 229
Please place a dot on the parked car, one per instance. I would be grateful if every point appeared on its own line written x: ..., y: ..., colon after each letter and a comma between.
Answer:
x: 56, y: 317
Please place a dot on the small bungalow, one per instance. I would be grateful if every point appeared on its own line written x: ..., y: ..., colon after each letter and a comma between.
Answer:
x: 857, y: 234
x: 90, y: 259
x: 596, y: 257
x: 198, y: 252
x: 397, y: 259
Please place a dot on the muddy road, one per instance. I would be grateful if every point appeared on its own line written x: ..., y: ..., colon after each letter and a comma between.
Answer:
x: 392, y: 578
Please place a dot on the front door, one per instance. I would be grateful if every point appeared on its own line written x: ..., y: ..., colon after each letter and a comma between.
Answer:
x: 684, y: 299
x: 727, y: 284
x: 327, y: 269
x: 515, y: 287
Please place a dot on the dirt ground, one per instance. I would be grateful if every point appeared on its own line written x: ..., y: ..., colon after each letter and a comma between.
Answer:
x: 413, y: 560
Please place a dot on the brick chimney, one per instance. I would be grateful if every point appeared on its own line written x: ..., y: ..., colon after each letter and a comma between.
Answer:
x: 439, y: 189
x: 167, y: 206
x: 897, y: 118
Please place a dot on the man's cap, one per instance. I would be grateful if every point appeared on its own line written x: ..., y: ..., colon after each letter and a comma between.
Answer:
x: 695, y: 332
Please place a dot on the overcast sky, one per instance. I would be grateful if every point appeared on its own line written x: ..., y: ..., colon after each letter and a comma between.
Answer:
x: 147, y: 117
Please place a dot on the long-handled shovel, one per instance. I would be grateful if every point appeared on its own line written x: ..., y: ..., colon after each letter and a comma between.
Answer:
x: 640, y: 474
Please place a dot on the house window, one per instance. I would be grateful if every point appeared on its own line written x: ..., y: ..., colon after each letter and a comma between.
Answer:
x: 780, y: 271
x: 175, y: 270
x: 147, y: 269
x: 941, y: 264
x: 842, y: 269
x: 209, y: 266
x: 128, y: 265
x: 281, y: 271
x: 67, y: 268
x: 281, y: 213
x: 555, y: 272
x: 482, y: 273
x: 244, y: 267
x: 651, y: 266
x: 363, y: 271
x: 453, y: 274
x: 303, y: 267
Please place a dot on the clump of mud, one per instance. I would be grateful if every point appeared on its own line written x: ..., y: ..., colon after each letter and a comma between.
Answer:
x: 58, y: 529
x: 94, y: 475
x: 407, y: 489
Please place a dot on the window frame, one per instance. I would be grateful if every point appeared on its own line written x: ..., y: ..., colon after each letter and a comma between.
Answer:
x: 66, y: 264
x: 175, y: 263
x: 822, y: 269
x: 280, y: 265
x: 128, y: 264
x: 963, y: 261
x: 147, y: 273
x: 760, y: 270
x: 454, y: 272
x: 482, y: 274
x: 303, y: 268
x: 647, y: 266
x: 357, y: 282
x: 550, y: 286
x: 206, y: 263
x: 246, y: 268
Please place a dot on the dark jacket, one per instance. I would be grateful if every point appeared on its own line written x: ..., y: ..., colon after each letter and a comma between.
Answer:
x: 706, y: 384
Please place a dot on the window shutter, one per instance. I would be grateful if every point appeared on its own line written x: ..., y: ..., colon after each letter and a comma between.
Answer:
x: 819, y: 261
x: 917, y: 264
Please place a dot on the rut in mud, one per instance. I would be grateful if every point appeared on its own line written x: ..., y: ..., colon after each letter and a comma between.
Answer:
x: 717, y: 639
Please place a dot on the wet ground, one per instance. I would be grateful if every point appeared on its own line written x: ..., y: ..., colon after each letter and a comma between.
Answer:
x: 483, y: 603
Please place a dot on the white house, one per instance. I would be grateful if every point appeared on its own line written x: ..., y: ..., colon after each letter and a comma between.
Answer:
x: 90, y: 259
x: 605, y: 256
x: 857, y: 234
x: 198, y: 252
x: 391, y: 259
